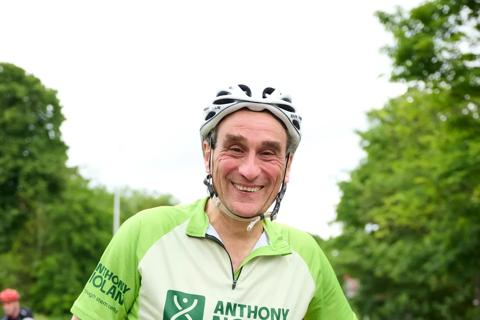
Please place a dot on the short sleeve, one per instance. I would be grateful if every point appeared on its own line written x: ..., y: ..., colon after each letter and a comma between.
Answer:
x: 113, y: 286
x: 329, y: 301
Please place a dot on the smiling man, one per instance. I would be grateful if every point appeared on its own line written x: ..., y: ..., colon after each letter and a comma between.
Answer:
x: 222, y: 257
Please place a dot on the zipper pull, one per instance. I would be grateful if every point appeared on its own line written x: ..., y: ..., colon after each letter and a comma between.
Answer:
x: 234, y: 284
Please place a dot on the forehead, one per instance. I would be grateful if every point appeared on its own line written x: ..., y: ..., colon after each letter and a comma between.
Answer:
x: 262, y: 123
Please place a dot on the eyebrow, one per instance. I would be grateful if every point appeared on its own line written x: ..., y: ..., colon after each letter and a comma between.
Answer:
x: 272, y: 145
x: 230, y: 138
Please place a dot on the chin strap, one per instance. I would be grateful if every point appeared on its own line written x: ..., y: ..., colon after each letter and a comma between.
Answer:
x: 278, y: 200
x: 252, y: 221
x: 229, y: 213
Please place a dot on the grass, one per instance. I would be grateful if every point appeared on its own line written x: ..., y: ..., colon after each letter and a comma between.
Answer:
x: 44, y: 317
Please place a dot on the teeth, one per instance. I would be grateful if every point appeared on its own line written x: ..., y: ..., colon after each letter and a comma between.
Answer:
x: 247, y: 189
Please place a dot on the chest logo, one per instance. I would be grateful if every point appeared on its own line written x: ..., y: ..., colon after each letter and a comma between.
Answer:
x: 183, y: 306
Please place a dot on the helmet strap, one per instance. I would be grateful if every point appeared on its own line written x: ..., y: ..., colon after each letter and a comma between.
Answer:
x: 281, y: 193
x: 208, y: 181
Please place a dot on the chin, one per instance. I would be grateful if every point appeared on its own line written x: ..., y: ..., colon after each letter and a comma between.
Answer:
x: 247, y: 211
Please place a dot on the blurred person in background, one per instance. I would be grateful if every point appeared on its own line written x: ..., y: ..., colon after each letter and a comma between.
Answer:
x: 12, y: 310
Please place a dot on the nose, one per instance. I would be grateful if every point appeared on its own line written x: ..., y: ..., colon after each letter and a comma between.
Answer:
x: 249, y: 167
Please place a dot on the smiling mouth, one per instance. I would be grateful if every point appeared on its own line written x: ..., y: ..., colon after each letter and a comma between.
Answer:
x: 245, y: 188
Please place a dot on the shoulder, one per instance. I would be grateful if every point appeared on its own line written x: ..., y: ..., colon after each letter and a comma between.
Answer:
x: 161, y: 220
x: 145, y: 228
x: 297, y: 240
x: 328, y: 301
x: 304, y: 245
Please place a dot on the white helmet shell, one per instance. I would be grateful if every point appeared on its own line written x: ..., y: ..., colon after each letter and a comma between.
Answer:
x: 241, y: 96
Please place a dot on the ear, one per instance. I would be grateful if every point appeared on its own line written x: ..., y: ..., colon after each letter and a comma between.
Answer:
x: 206, y: 155
x: 287, y: 172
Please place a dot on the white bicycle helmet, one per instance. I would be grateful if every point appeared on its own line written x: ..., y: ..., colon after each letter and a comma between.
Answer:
x: 241, y: 96
x: 238, y: 97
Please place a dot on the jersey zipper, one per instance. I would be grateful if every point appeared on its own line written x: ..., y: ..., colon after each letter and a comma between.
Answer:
x: 234, y: 279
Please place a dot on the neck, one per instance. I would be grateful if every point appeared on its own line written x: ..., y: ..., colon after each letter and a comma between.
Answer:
x: 15, y: 313
x: 238, y: 241
x: 229, y: 228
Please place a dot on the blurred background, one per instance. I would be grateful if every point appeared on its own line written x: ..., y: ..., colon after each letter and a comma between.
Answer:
x: 98, y: 98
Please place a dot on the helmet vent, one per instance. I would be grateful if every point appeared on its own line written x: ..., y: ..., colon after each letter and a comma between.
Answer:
x: 223, y: 93
x: 224, y: 101
x: 246, y: 89
x: 296, y: 124
x: 286, y: 107
x: 267, y: 91
x: 210, y: 115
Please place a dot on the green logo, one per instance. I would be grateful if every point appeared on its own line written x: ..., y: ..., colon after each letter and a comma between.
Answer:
x: 183, y: 306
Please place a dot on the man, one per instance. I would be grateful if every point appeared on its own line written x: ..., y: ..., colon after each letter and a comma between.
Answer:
x: 11, y: 306
x: 222, y: 257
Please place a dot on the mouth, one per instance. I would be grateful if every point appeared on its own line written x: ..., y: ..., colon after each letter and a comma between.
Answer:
x: 249, y: 189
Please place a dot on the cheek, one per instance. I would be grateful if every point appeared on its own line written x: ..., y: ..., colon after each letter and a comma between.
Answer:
x: 273, y: 170
x: 226, y: 165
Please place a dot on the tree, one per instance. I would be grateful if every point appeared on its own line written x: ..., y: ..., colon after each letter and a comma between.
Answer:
x: 54, y: 226
x: 32, y: 153
x: 411, y: 209
x: 133, y: 201
x: 411, y: 213
x: 76, y: 228
x: 436, y: 45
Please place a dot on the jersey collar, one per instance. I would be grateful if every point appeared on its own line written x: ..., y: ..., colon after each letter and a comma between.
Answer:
x: 275, y: 239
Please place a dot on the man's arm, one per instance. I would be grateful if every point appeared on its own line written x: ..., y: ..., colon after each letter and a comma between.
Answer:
x: 74, y: 318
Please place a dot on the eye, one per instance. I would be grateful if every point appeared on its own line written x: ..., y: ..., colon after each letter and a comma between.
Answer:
x: 268, y: 153
x: 235, y: 148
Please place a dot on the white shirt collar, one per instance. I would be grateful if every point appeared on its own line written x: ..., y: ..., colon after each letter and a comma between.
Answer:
x: 262, y: 241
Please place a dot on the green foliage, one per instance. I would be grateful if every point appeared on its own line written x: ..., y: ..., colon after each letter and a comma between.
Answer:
x: 411, y: 209
x: 32, y: 153
x: 44, y: 317
x: 54, y: 226
x: 134, y: 201
x: 436, y: 44
x: 78, y: 229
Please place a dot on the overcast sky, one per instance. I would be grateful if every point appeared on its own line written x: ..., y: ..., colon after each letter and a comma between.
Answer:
x: 134, y: 76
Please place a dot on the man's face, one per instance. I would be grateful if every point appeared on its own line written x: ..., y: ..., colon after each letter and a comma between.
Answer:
x: 11, y: 309
x: 248, y: 161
